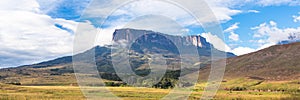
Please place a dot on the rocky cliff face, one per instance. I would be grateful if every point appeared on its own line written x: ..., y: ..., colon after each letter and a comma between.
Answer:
x: 136, y: 35
x: 148, y: 41
x: 196, y: 40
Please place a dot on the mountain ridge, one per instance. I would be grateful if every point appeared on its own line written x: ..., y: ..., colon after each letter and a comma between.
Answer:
x: 275, y: 63
x: 129, y: 34
x: 191, y: 39
x: 141, y: 39
x: 254, y: 65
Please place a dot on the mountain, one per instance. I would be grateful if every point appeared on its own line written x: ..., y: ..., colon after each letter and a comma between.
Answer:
x: 150, y: 41
x: 276, y: 63
x: 146, y: 35
x: 144, y: 44
x: 146, y: 41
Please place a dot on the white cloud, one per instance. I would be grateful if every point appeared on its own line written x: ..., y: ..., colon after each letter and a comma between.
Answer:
x: 159, y: 24
x: 232, y: 27
x: 87, y: 37
x: 48, y: 5
x: 277, y: 2
x: 216, y: 42
x: 145, y: 7
x: 233, y: 36
x: 269, y: 34
x: 20, y: 5
x: 296, y: 18
x: 221, y: 45
x: 143, y: 14
x: 103, y: 8
x: 242, y: 50
x: 266, y: 45
x: 253, y: 11
x: 29, y: 36
x: 273, y: 24
x: 222, y: 12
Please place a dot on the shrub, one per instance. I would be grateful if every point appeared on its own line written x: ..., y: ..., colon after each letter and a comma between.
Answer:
x: 115, y: 84
x: 54, y: 70
x: 238, y: 88
x: 14, y: 83
x: 166, y: 83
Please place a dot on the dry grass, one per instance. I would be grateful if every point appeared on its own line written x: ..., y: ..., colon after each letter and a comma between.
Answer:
x: 9, y: 92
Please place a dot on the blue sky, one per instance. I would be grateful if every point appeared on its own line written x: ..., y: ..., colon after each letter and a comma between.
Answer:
x: 249, y: 15
x: 282, y: 15
x: 39, y: 30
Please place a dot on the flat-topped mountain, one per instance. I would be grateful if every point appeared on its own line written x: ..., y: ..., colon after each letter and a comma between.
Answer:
x: 277, y: 63
x: 143, y: 44
x: 131, y: 34
x: 150, y: 41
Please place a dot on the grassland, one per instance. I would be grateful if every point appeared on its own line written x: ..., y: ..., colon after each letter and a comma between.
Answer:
x: 250, y: 90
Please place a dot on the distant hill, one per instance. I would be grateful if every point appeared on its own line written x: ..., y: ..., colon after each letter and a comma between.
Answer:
x: 276, y: 63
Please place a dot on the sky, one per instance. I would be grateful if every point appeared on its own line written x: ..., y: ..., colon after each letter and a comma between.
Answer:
x: 41, y: 30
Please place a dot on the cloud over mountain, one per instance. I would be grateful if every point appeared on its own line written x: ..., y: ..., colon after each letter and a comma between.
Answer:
x: 27, y: 35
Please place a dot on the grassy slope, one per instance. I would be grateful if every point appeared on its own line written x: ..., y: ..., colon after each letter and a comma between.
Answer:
x: 37, y: 76
x: 278, y: 63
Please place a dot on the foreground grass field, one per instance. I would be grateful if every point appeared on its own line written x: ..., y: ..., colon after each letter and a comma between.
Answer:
x: 10, y: 92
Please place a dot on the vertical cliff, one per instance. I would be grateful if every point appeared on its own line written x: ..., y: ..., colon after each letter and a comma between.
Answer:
x: 134, y: 35
x: 150, y: 41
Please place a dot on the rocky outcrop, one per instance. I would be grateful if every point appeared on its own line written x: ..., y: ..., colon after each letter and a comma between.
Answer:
x: 148, y: 41
x: 133, y: 35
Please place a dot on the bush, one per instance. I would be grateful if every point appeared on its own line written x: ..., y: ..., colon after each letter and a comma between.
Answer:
x: 53, y: 74
x: 238, y: 88
x: 115, y: 84
x: 109, y: 83
x: 14, y: 83
x: 54, y: 70
x: 166, y: 83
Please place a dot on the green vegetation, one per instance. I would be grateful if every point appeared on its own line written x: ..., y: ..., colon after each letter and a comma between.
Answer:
x: 115, y: 84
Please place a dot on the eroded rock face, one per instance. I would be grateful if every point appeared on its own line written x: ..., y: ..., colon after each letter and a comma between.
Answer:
x: 150, y: 41
x: 133, y: 35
